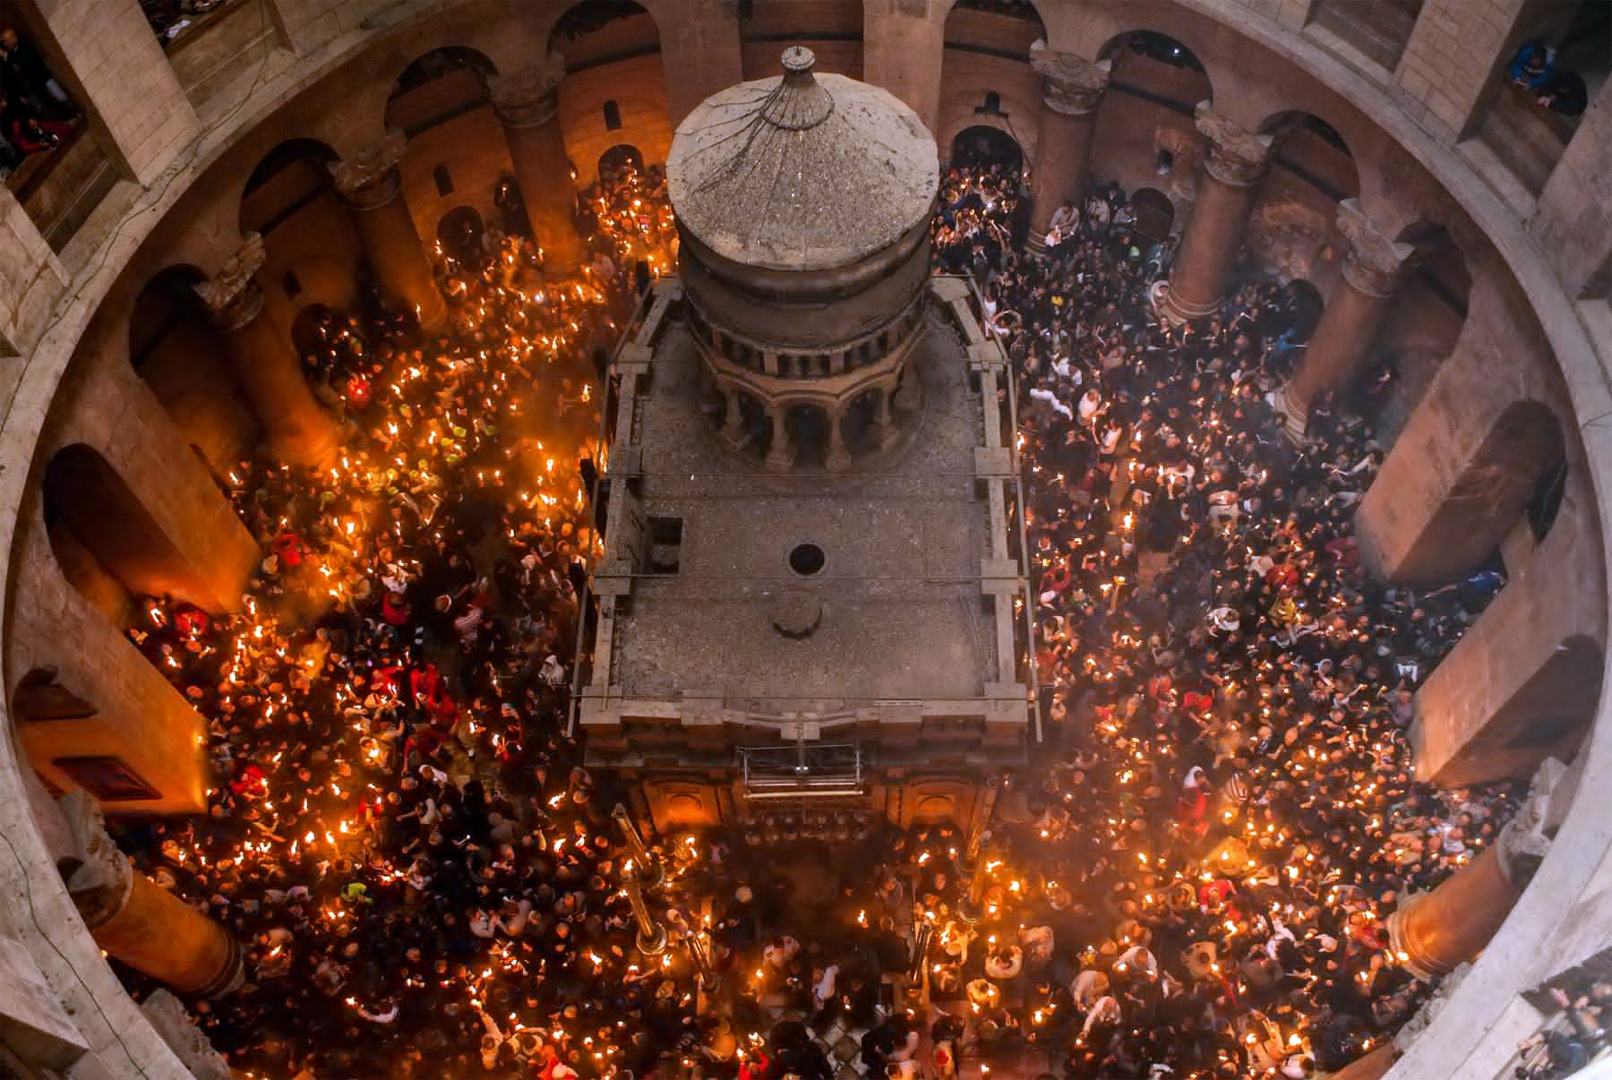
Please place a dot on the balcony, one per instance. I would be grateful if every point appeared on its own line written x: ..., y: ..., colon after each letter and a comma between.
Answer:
x: 59, y: 188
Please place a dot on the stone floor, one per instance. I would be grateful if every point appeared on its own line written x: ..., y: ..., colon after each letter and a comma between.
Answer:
x: 903, y: 535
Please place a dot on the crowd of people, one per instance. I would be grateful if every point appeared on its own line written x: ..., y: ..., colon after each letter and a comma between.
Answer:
x: 401, y: 835
x: 1192, y: 880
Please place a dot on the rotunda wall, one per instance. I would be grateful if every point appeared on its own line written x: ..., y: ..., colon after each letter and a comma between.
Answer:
x: 1406, y: 175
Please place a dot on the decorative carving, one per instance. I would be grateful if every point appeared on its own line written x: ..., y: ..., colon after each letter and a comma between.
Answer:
x: 178, y: 1029
x: 526, y: 98
x: 369, y: 178
x: 101, y: 882
x: 1430, y: 1008
x: 1069, y: 85
x: 232, y: 295
x: 1374, y: 262
x: 1525, y: 840
x: 1236, y: 155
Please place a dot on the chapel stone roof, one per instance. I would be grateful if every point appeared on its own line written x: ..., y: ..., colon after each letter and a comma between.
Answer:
x: 801, y: 171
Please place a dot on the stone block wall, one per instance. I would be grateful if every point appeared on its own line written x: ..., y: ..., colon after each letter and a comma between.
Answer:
x: 639, y: 89
x: 31, y: 277
x: 965, y: 79
x: 1573, y: 224
x: 105, y: 54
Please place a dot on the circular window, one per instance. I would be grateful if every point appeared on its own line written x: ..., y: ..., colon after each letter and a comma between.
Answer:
x: 806, y: 559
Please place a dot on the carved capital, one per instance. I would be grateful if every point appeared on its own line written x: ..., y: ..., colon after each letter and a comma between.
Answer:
x: 527, y: 98
x: 101, y: 883
x: 369, y: 178
x: 1525, y: 840
x: 232, y: 295
x: 1374, y: 262
x: 1069, y: 85
x: 1236, y: 155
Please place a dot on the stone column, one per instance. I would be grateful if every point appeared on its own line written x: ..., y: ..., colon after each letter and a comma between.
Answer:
x: 1071, y: 89
x: 300, y: 430
x: 1214, y: 234
x: 781, y: 454
x: 733, y: 422
x: 838, y: 456
x: 1371, y: 273
x: 140, y: 922
x: 1433, y: 933
x: 887, y: 427
x: 372, y: 188
x: 527, y: 104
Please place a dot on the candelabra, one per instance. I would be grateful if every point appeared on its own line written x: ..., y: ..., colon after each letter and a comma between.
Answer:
x: 651, y: 935
x: 647, y: 870
x: 700, y: 953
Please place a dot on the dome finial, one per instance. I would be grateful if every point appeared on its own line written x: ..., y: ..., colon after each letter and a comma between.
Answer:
x: 799, y: 102
x: 798, y: 59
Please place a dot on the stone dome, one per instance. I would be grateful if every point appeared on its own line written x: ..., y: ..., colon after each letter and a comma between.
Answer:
x: 801, y: 171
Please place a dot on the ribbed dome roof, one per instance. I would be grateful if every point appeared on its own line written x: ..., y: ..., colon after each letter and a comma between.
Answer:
x: 801, y: 171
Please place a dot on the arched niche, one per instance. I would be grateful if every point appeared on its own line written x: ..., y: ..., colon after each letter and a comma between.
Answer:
x: 460, y: 234
x: 105, y: 541
x: 612, y: 51
x: 1155, y: 213
x: 1424, y: 319
x: 1293, y: 225
x: 438, y: 86
x: 985, y: 74
x: 983, y: 145
x: 1146, y: 135
x: 180, y: 355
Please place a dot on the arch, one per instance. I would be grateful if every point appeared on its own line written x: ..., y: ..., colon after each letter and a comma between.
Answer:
x: 809, y: 427
x: 1158, y: 67
x: 438, y: 86
x: 103, y: 537
x: 618, y: 158
x: 1311, y: 150
x: 985, y: 74
x: 284, y: 180
x: 1155, y: 213
x: 587, y: 26
x: 178, y: 353
x: 460, y: 232
x: 612, y: 51
x: 982, y: 145
x: 1425, y: 319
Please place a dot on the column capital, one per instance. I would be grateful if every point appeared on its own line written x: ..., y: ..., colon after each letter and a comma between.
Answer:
x: 100, y: 885
x: 526, y: 97
x: 233, y: 296
x: 1524, y: 841
x: 369, y: 178
x: 1070, y: 85
x: 1373, y: 262
x: 1236, y: 155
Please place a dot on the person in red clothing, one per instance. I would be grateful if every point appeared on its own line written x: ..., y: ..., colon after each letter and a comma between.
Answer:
x: 290, y: 549
x: 395, y: 609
